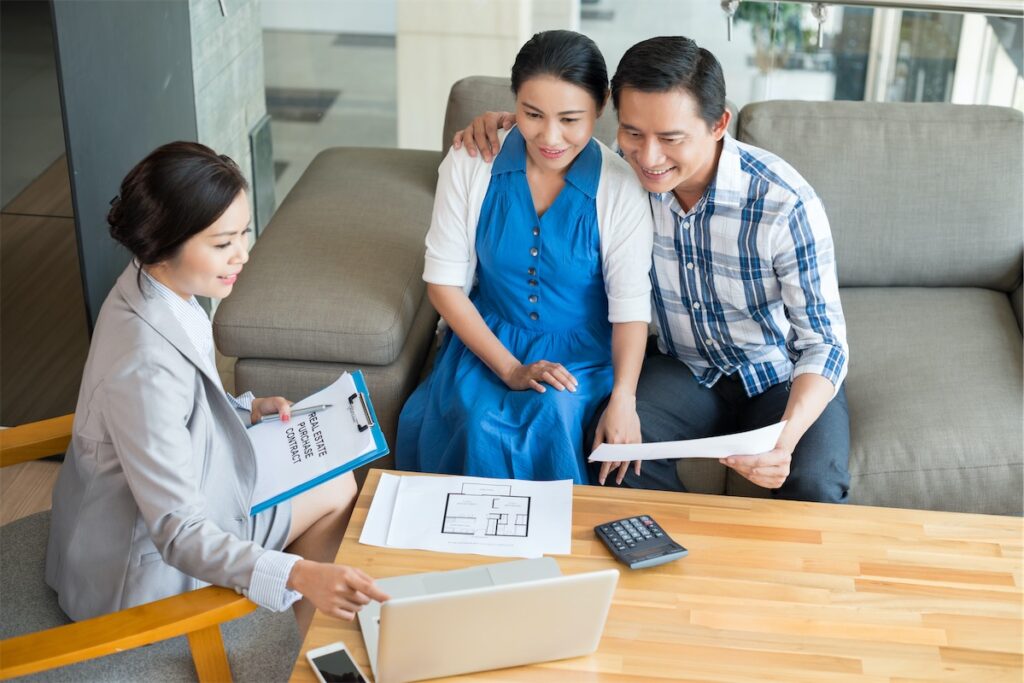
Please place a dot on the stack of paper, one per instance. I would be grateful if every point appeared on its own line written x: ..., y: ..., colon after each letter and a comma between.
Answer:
x: 500, y: 517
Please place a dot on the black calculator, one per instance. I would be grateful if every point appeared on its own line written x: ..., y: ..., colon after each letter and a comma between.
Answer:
x: 639, y: 542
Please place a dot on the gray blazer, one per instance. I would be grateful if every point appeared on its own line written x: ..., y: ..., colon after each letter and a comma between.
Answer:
x: 153, y: 498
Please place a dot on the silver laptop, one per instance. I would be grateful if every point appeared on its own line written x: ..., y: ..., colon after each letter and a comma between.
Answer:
x: 487, y: 617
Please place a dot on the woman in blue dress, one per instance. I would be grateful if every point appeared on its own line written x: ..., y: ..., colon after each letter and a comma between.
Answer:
x: 538, y: 263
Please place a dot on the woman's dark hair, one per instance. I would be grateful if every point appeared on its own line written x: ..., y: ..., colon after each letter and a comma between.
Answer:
x: 566, y: 55
x: 670, y: 63
x: 172, y: 194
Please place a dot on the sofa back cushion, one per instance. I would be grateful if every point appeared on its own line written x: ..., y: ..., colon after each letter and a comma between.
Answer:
x: 917, y: 194
x: 337, y: 276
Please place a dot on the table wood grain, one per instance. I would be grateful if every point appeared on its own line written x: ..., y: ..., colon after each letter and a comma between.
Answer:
x: 771, y: 591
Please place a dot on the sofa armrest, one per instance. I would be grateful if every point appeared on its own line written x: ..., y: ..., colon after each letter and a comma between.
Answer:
x: 1016, y: 297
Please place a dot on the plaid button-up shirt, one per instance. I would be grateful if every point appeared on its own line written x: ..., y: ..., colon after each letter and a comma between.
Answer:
x: 745, y: 281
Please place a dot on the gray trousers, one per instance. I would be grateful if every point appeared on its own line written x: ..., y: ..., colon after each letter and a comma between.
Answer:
x: 673, y: 406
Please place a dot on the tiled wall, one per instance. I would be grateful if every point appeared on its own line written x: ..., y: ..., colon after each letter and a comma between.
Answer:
x: 227, y: 62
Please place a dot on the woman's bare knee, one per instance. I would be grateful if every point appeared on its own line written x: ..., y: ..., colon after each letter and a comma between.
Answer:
x: 334, y: 498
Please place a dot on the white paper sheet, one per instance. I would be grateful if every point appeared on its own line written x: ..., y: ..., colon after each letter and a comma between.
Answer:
x: 745, y: 443
x: 498, y: 517
x: 291, y: 453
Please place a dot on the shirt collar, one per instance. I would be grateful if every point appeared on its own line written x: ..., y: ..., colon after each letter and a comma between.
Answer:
x: 512, y: 155
x: 584, y: 174
x: 189, y: 314
x: 729, y: 186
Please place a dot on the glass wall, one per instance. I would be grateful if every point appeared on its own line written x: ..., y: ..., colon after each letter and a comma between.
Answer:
x: 883, y: 55
x: 330, y: 65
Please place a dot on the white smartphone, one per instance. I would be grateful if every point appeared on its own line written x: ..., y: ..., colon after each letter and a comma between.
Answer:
x: 332, y: 664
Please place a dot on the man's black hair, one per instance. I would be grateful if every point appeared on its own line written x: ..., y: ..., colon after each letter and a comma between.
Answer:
x: 670, y: 63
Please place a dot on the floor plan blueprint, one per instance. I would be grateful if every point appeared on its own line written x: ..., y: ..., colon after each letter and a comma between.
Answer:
x: 486, y: 510
x: 498, y: 517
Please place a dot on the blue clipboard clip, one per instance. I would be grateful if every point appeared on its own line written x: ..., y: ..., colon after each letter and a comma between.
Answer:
x: 359, y: 396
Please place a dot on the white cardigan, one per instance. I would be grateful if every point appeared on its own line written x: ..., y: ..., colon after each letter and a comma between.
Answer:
x: 624, y: 222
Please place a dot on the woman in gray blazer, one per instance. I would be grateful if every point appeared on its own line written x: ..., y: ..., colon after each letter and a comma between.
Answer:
x: 154, y: 495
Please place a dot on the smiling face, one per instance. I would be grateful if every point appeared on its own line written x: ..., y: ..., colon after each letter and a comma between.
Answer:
x: 668, y: 144
x: 556, y: 118
x: 209, y: 262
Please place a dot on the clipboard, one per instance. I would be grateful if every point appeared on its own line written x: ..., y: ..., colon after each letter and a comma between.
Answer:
x: 365, y: 418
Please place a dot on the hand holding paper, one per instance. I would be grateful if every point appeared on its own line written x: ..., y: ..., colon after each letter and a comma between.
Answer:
x: 745, y: 443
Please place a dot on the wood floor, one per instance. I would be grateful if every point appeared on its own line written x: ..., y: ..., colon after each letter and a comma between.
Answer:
x: 44, y: 338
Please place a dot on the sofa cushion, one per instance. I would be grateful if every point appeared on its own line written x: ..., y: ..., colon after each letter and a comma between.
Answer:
x: 917, y: 194
x: 337, y: 276
x: 935, y: 398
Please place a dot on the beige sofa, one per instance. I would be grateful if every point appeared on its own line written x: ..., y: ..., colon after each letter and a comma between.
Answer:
x: 926, y: 209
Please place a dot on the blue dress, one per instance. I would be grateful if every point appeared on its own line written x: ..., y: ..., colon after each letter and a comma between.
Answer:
x: 540, y: 289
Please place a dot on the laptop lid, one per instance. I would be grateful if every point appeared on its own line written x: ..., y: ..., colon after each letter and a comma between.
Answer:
x: 426, y: 583
x: 493, y: 627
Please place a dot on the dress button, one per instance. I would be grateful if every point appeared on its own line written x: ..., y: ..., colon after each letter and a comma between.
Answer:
x: 534, y: 251
x: 696, y: 305
x: 534, y: 316
x: 689, y: 266
x: 533, y: 298
x: 531, y: 271
x: 536, y: 231
x: 710, y: 341
x: 533, y: 283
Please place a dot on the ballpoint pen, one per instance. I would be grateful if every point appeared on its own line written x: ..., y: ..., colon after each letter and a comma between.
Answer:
x: 296, y: 413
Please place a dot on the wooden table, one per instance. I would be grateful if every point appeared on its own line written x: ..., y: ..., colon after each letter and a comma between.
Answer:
x: 771, y: 591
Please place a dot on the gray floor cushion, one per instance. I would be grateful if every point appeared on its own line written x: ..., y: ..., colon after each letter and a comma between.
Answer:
x: 261, y: 647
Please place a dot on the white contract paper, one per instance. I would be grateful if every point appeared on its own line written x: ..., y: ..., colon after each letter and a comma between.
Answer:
x: 498, y: 517
x: 291, y: 454
x: 745, y: 443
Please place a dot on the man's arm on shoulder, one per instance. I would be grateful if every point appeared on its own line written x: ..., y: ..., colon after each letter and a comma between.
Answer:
x: 481, y: 135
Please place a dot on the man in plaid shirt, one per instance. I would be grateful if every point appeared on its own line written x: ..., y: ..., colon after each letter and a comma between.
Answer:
x: 745, y: 293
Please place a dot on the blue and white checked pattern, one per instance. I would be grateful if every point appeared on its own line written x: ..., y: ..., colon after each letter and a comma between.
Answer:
x: 268, y: 584
x: 746, y: 280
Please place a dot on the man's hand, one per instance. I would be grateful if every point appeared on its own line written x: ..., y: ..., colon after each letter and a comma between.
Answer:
x: 269, y: 406
x: 768, y: 470
x: 335, y: 589
x: 619, y: 423
x: 482, y: 134
x: 531, y: 375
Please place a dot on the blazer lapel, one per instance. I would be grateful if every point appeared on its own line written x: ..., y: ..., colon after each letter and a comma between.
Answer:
x: 159, y: 317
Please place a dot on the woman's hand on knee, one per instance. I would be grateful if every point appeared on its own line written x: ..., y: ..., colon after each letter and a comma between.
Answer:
x: 334, y: 589
x: 536, y: 375
x: 271, y: 405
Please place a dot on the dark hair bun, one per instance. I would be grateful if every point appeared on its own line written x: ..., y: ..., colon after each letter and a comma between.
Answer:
x: 569, y: 56
x: 178, y: 190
